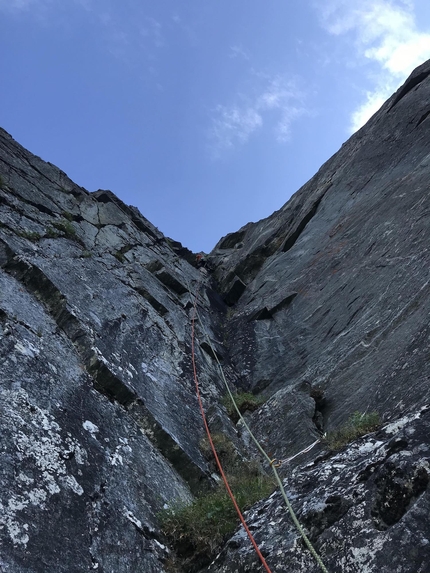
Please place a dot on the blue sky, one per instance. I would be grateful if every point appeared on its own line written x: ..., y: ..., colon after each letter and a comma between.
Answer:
x: 205, y: 114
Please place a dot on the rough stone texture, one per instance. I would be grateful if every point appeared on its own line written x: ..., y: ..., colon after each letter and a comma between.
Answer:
x: 365, y: 509
x: 337, y: 297
x: 323, y: 308
x: 99, y: 421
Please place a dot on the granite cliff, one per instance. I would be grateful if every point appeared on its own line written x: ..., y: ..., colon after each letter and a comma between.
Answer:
x: 322, y: 309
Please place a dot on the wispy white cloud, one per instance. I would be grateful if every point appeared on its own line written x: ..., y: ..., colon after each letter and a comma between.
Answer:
x: 238, y: 52
x: 233, y: 125
x: 385, y: 33
x: 287, y: 100
x: 278, y: 103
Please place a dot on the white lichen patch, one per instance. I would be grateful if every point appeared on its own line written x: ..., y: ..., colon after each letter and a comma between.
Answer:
x: 145, y: 370
x: 369, y: 447
x: 17, y: 531
x: 24, y: 479
x: 27, y: 349
x: 71, y: 483
x: 42, y: 450
x: 396, y: 426
x: 363, y: 557
x: 37, y: 496
x: 314, y: 506
x: 399, y: 424
x: 116, y: 458
x: 129, y: 515
x: 90, y: 427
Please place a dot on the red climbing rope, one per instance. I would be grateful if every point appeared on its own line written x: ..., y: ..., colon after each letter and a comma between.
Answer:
x: 221, y: 471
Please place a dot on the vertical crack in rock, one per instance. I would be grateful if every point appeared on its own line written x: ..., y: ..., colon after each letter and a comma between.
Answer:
x: 294, y: 237
x: 412, y: 82
x: 196, y: 479
x: 317, y: 394
x: 95, y: 363
x: 423, y: 118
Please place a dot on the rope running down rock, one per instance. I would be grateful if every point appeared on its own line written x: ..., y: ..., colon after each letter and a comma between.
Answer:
x: 270, y: 461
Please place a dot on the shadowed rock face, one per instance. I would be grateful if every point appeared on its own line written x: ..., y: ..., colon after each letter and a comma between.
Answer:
x: 337, y: 281
x: 323, y: 308
x: 99, y: 422
x: 365, y: 509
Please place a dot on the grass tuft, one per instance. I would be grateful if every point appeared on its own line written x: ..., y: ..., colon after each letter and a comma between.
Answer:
x: 200, y: 528
x: 357, y: 425
x: 51, y: 233
x: 246, y: 402
x: 119, y: 256
x: 68, y: 216
x: 65, y: 227
x: 197, y: 530
x: 30, y: 235
x: 86, y: 254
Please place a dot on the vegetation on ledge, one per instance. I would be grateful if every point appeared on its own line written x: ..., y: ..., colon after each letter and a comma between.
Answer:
x: 197, y: 530
x: 246, y: 402
x: 357, y: 425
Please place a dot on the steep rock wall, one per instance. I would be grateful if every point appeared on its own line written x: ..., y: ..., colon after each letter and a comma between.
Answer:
x: 335, y: 285
x: 99, y: 421
x: 365, y: 509
x: 322, y: 308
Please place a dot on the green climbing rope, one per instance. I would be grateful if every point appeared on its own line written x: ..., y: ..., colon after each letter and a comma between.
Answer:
x: 261, y: 450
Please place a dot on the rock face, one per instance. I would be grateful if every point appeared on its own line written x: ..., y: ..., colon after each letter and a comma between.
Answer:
x: 365, y: 509
x: 337, y: 296
x: 99, y: 422
x: 322, y: 309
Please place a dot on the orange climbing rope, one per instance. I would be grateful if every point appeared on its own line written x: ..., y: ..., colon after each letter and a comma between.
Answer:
x: 218, y: 463
x: 274, y: 463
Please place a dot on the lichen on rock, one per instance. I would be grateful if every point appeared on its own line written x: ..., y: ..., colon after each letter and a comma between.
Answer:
x: 318, y: 311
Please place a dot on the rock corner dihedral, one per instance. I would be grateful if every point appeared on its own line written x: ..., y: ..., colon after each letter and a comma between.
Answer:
x: 320, y: 311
